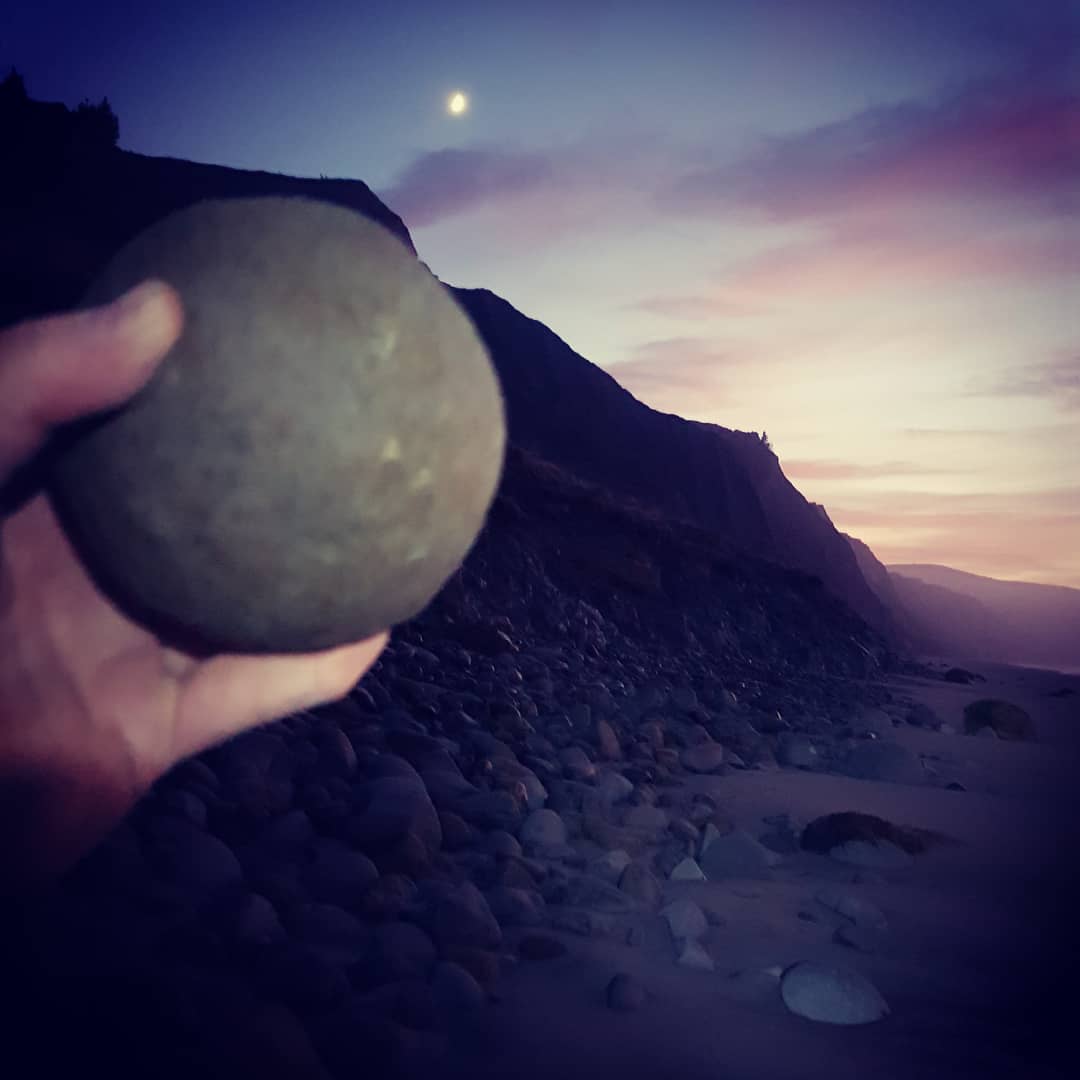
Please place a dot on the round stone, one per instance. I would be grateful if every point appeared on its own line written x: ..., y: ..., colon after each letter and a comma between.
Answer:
x: 625, y: 993
x: 315, y: 455
x: 831, y: 995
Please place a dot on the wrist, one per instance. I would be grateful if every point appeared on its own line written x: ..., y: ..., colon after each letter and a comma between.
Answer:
x: 53, y: 811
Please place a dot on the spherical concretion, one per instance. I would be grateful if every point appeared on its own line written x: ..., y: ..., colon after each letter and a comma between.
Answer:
x: 316, y: 454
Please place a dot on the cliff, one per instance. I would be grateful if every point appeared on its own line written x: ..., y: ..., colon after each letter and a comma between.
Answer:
x: 73, y: 198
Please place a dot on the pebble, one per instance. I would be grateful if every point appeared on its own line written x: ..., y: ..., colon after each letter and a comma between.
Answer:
x: 186, y: 856
x: 338, y: 875
x: 705, y: 757
x: 501, y: 843
x: 737, y: 855
x: 300, y: 976
x: 831, y: 995
x: 685, y: 831
x: 884, y: 760
x: 583, y: 923
x: 399, y: 950
x: 576, y: 764
x: 639, y: 882
x: 482, y: 964
x: 860, y: 911
x: 858, y: 937
x: 692, y: 954
x: 753, y: 984
x: 250, y: 920
x: 796, y: 751
x: 881, y: 855
x: 625, y: 993
x: 607, y: 741
x: 455, y: 991
x: 653, y: 818
x: 610, y: 865
x: 540, y: 947
x: 186, y: 805
x: 613, y: 787
x: 456, y: 833
x: 685, y: 919
x: 396, y: 806
x: 516, y: 907
x: 542, y: 829
x: 708, y: 836
x: 461, y: 916
x: 687, y: 870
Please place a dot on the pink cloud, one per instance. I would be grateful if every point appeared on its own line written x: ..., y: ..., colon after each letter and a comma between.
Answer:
x: 1010, y: 140
x: 448, y: 182
x: 848, y: 261
x: 1035, y: 535
x: 678, y: 368
x: 699, y: 306
x: 1058, y: 378
x: 848, y: 470
x: 531, y: 197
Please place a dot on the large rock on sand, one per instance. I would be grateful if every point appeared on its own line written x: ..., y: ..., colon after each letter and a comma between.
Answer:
x: 1006, y: 720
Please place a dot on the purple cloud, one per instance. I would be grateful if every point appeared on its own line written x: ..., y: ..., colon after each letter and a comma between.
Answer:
x: 1013, y: 137
x: 675, y: 373
x: 1058, y: 378
x: 445, y: 183
x: 683, y: 363
x: 698, y: 306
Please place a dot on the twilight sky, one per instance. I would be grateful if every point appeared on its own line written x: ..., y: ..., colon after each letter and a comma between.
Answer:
x: 850, y: 223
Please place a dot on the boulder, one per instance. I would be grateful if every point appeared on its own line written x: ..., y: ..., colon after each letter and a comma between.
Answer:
x: 1006, y: 720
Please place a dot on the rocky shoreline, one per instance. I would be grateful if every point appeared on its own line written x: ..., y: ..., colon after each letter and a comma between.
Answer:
x: 540, y: 770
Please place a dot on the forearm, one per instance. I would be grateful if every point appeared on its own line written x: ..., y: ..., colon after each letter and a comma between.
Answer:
x: 66, y: 776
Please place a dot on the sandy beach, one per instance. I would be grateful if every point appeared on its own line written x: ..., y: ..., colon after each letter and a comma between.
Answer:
x: 975, y: 964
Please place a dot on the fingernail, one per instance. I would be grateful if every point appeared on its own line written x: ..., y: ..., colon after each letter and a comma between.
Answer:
x: 142, y: 313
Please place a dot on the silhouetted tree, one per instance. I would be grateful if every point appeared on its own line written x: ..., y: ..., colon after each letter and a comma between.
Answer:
x: 765, y: 441
x: 96, y: 125
x: 13, y: 88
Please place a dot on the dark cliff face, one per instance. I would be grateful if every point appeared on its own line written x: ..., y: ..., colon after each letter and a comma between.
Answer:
x: 563, y: 559
x: 57, y: 236
x: 571, y: 412
x: 907, y: 630
x: 68, y: 202
x: 568, y: 411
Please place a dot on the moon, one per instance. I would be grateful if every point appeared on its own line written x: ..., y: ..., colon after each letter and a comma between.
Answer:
x: 457, y: 103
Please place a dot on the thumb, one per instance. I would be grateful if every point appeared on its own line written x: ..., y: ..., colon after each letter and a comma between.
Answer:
x: 62, y: 367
